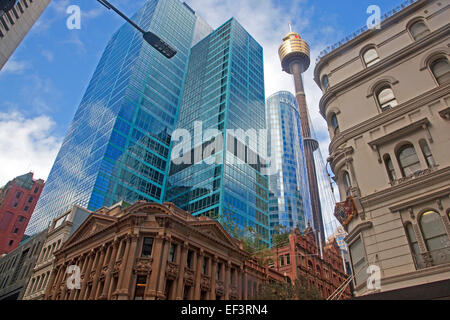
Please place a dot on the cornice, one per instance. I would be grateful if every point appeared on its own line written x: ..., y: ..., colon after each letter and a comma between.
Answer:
x: 412, y: 127
x: 390, y: 115
x: 356, y: 231
x: 408, y: 188
x: 367, y: 34
x: 414, y: 48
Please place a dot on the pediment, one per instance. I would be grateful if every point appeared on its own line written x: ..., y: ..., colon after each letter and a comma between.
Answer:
x: 214, y: 230
x: 94, y: 224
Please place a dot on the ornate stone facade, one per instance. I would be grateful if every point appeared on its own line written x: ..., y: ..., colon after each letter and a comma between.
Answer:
x: 302, y: 257
x: 155, y: 252
x: 386, y: 100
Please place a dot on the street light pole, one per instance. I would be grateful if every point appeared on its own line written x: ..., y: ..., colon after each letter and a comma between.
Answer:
x: 151, y: 38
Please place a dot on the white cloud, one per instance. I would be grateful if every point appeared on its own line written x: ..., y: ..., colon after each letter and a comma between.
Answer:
x: 14, y: 67
x: 26, y: 145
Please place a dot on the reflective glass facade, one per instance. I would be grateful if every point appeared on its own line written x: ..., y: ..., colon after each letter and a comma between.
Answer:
x: 224, y: 91
x: 118, y: 145
x: 290, y: 204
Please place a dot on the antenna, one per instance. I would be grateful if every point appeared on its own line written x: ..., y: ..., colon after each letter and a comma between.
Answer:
x: 290, y: 26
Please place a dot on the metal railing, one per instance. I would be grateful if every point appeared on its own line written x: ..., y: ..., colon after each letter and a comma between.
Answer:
x: 364, y: 29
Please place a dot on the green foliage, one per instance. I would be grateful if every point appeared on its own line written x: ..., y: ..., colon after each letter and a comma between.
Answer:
x: 288, y: 291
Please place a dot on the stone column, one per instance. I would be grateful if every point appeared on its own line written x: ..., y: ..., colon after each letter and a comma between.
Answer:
x: 87, y: 271
x: 208, y: 272
x: 180, y: 283
x: 212, y: 295
x: 198, y: 274
x: 227, y: 280
x: 245, y: 291
x: 126, y: 268
x: 51, y: 283
x: 108, y: 277
x: 151, y: 289
x: 98, y: 270
x: 162, y: 270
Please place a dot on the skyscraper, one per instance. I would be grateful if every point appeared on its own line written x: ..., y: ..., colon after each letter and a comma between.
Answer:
x: 15, y: 24
x: 118, y: 144
x: 222, y: 175
x: 290, y: 204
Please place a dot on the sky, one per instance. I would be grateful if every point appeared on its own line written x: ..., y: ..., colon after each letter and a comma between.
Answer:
x: 42, y: 84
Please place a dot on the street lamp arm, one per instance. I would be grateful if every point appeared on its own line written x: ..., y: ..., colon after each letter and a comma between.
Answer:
x: 109, y: 6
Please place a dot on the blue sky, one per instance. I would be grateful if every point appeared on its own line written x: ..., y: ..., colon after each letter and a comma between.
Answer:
x: 43, y: 83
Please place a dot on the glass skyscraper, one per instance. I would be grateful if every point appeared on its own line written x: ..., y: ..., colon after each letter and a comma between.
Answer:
x: 290, y: 204
x: 222, y: 173
x: 118, y: 145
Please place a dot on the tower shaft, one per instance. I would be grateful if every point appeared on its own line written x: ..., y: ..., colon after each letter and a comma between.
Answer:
x: 310, y: 146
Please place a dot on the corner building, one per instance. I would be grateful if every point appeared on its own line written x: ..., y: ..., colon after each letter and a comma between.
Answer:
x: 387, y: 103
x: 18, y: 199
x: 155, y: 251
x: 118, y: 145
x: 224, y: 91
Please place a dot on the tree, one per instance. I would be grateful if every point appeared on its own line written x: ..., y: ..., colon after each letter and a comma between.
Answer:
x: 288, y: 291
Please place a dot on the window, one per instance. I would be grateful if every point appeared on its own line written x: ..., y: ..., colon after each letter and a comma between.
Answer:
x: 334, y: 123
x: 205, y: 266
x: 16, y: 230
x: 18, y: 194
x: 325, y: 82
x: 427, y: 154
x: 30, y: 199
x: 390, y: 168
x: 419, y: 30
x: 173, y: 248
x: 141, y: 284
x: 36, y: 190
x: 11, y: 242
x: 288, y: 259
x: 409, y: 162
x: 26, y: 208
x: 147, y: 247
x: 358, y: 257
x: 386, y: 98
x: 433, y: 231
x: 371, y: 57
x: 441, y: 70
x: 347, y: 183
x: 412, y: 239
x: 189, y: 259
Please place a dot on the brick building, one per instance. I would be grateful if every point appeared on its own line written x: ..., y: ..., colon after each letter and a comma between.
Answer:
x: 17, y: 201
x: 302, y: 257
x: 152, y: 251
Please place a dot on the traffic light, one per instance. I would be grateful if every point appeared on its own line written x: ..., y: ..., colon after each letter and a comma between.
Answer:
x: 6, y: 5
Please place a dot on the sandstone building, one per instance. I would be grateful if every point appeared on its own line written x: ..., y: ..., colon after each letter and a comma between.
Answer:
x: 152, y: 251
x: 386, y: 98
x: 58, y: 232
x: 322, y: 267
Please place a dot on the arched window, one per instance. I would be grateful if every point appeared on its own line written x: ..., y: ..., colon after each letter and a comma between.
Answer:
x: 386, y: 98
x: 419, y: 30
x: 347, y: 183
x: 433, y: 231
x: 408, y: 160
x: 412, y: 239
x: 441, y: 70
x: 325, y: 81
x: 427, y: 154
x: 371, y: 57
x: 334, y: 123
x: 390, y: 168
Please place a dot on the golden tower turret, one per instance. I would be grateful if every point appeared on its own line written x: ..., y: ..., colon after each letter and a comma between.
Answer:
x: 294, y: 49
x: 295, y: 59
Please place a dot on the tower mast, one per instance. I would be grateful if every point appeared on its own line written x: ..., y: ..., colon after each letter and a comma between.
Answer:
x: 295, y: 60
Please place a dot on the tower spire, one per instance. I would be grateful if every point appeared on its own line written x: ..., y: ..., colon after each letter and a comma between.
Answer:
x: 290, y: 26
